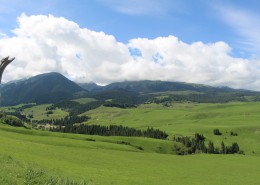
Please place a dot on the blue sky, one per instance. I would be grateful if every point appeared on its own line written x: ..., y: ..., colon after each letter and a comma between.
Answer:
x: 236, y: 23
x: 190, y: 21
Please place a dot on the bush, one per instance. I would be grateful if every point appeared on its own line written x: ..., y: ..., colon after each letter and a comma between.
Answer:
x: 217, y: 132
x: 233, y: 133
x: 49, y: 112
x: 180, y: 149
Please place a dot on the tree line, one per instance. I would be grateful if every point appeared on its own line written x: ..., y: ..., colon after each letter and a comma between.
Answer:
x: 111, y: 130
x: 200, y: 98
x: 119, y: 105
x: 191, y: 145
x: 10, y: 120
x: 68, y: 120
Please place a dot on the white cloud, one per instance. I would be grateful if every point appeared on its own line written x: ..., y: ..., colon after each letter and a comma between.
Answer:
x: 198, y: 63
x: 47, y: 43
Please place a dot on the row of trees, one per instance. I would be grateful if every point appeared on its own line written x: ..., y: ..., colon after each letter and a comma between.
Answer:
x: 112, y: 130
x: 10, y: 120
x: 68, y: 120
x: 200, y: 98
x: 21, y: 108
x: 18, y: 115
x: 191, y: 145
x: 119, y: 105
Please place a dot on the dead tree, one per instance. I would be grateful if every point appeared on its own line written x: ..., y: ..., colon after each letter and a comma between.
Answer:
x: 4, y: 63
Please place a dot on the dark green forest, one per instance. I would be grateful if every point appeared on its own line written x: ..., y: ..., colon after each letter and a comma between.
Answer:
x: 111, y: 130
x: 196, y: 144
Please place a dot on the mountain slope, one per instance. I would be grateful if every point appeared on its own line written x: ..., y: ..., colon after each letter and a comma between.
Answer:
x: 53, y: 87
x: 44, y: 88
x: 162, y: 86
x: 147, y: 86
x: 90, y: 86
x: 142, y: 91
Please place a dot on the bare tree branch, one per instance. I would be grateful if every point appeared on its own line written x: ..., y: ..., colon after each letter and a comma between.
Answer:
x: 4, y: 63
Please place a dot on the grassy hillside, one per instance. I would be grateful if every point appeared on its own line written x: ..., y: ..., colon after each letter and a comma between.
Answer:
x: 104, y: 161
x: 188, y: 118
x: 136, y: 160
x: 39, y: 112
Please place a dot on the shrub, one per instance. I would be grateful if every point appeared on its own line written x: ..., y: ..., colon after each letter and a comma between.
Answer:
x: 233, y: 133
x: 217, y: 132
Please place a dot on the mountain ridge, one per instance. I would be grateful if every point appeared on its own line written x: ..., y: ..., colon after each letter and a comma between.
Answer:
x: 43, y: 88
x: 148, y: 86
x: 54, y: 87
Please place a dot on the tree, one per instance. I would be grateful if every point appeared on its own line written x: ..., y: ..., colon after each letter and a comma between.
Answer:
x: 197, y: 145
x: 217, y: 132
x: 223, y: 148
x: 233, y: 133
x: 234, y: 148
x: 211, y: 148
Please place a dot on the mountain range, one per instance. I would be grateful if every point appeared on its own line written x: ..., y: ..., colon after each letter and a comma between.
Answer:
x: 54, y: 87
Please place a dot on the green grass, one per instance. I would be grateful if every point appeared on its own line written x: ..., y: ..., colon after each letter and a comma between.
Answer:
x: 15, y: 171
x: 39, y: 112
x: 105, y: 162
x: 119, y: 160
x: 189, y: 118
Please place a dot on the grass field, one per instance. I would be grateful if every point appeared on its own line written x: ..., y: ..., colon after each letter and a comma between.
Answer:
x: 109, y: 160
x: 189, y: 118
x: 39, y: 112
x: 105, y: 162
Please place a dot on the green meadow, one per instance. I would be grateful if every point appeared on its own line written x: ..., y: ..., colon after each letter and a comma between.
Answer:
x: 39, y: 112
x: 189, y: 118
x: 119, y: 160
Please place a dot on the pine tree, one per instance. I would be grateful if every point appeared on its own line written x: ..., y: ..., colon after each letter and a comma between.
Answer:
x: 223, y: 148
x: 211, y: 148
x: 234, y: 148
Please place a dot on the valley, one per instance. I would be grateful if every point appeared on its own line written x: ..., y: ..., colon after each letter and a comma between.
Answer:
x: 130, y: 92
x: 34, y: 155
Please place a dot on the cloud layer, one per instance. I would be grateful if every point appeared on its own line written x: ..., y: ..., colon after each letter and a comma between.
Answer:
x: 47, y: 43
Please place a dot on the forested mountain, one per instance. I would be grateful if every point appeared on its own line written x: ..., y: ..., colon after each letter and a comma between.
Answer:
x: 135, y: 92
x: 44, y: 88
x: 147, y: 86
x: 53, y: 88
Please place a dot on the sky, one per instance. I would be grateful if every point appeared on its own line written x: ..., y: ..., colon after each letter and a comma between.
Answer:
x: 212, y: 42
